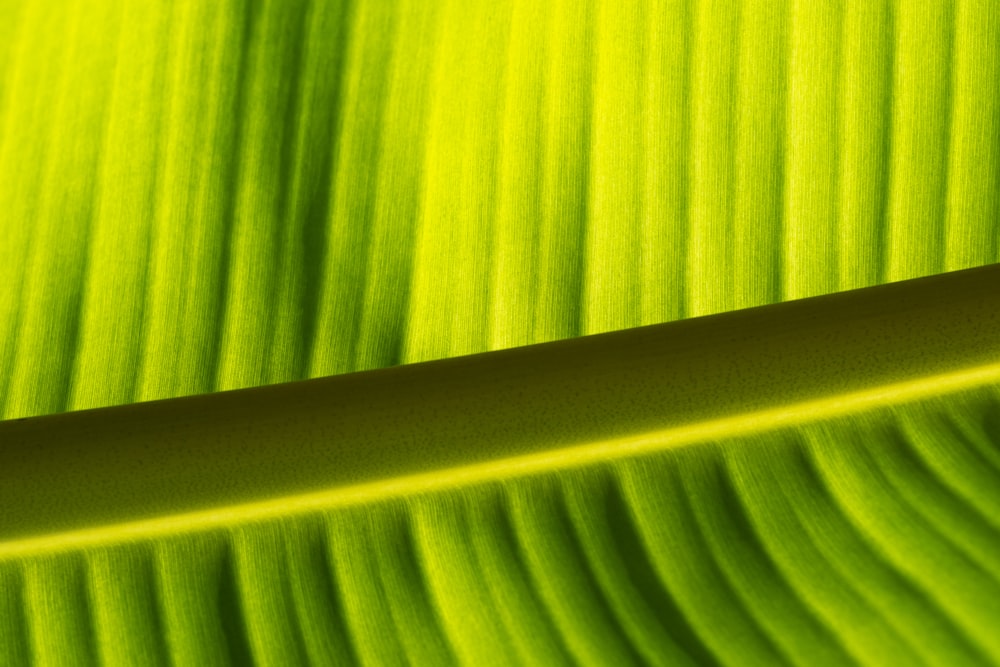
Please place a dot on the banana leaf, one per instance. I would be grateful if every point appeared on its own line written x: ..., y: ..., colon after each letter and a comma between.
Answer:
x: 203, y: 196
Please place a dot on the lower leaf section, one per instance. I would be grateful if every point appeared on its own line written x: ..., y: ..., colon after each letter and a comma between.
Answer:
x: 872, y: 539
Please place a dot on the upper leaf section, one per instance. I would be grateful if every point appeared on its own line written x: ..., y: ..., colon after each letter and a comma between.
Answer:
x: 211, y: 195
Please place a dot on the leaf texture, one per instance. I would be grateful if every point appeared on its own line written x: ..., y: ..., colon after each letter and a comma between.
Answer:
x: 200, y: 196
x: 212, y: 195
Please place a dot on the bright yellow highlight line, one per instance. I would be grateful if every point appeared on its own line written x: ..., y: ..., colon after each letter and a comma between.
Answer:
x: 520, y: 466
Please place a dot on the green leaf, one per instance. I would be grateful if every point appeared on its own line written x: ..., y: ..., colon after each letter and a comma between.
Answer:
x: 200, y: 196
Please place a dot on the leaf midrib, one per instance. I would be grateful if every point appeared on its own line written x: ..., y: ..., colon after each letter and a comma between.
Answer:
x: 181, y: 463
x: 288, y: 507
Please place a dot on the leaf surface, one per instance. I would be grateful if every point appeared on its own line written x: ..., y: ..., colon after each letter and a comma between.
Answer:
x: 205, y: 196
